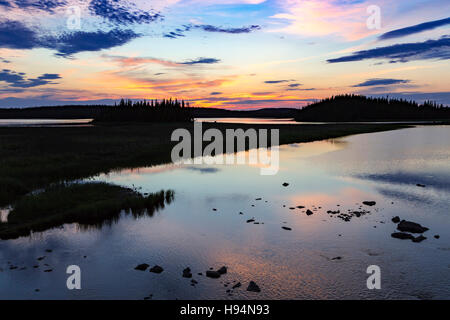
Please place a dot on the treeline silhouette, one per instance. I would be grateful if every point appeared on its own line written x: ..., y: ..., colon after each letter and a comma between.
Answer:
x: 166, y: 110
x: 350, y: 107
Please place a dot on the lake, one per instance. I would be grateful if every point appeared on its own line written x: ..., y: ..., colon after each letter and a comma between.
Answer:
x: 322, y: 257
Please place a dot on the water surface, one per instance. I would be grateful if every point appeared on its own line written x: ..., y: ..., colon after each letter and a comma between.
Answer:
x: 326, y: 175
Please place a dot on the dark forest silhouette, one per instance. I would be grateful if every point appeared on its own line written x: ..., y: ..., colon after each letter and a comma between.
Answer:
x: 166, y: 110
x: 352, y: 107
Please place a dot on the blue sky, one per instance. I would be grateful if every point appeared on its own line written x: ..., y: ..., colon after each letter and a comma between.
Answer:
x: 237, y: 54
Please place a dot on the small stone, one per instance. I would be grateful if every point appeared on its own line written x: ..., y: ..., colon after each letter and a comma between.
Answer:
x: 237, y: 285
x: 436, y: 236
x: 419, y: 238
x: 212, y: 274
x: 156, y: 269
x: 396, y: 219
x: 309, y: 212
x: 250, y: 220
x: 187, y: 273
x: 222, y: 270
x: 409, y: 226
x: 369, y: 203
x: 253, y: 287
x: 421, y: 185
x: 336, y: 258
x: 402, y: 235
x: 285, y: 184
x: 142, y: 267
x: 286, y: 228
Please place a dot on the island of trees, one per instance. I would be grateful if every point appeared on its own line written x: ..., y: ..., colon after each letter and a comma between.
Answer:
x: 349, y: 107
x: 166, y: 110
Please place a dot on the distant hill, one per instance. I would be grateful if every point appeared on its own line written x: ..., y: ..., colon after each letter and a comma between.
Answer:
x: 348, y: 108
x: 93, y: 111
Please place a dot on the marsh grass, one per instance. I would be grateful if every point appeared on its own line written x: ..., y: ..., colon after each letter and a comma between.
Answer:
x: 89, y: 204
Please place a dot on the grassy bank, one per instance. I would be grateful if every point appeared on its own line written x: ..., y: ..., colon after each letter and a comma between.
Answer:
x: 89, y: 204
x: 33, y: 158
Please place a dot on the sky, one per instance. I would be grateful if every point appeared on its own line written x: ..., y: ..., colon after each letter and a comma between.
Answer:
x: 236, y: 54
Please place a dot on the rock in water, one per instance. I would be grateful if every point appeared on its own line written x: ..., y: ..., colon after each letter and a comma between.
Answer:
x: 436, y: 236
x: 309, y: 212
x: 142, y: 267
x: 402, y: 235
x: 419, y: 238
x: 212, y: 274
x: 286, y: 228
x: 369, y: 203
x: 253, y: 287
x: 250, y: 220
x: 396, y: 219
x: 187, y: 273
x: 156, y: 269
x: 285, y: 184
x: 421, y: 185
x: 222, y: 270
x: 409, y: 226
x: 237, y: 285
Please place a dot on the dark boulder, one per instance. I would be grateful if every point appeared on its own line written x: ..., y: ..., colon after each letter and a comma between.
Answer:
x: 253, y: 287
x: 309, y: 212
x: 369, y: 203
x: 212, y: 274
x: 142, y: 267
x: 421, y: 185
x: 396, y: 219
x: 402, y: 235
x: 436, y: 236
x: 419, y: 238
x: 285, y: 184
x: 222, y: 270
x: 187, y: 273
x: 156, y: 269
x: 409, y: 226
x: 286, y: 228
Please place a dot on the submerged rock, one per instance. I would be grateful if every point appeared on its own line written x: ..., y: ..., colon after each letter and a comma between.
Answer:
x: 187, y: 273
x: 222, y: 270
x: 212, y: 274
x: 396, y: 219
x: 237, y: 285
x: 369, y: 203
x: 156, y: 269
x: 419, y: 238
x: 253, y: 287
x: 142, y: 267
x: 402, y: 235
x: 409, y: 226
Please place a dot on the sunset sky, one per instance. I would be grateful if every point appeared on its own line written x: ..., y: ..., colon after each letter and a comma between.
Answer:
x: 238, y: 54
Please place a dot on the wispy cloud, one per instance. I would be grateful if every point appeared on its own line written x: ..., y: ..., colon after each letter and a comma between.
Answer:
x: 380, y: 82
x: 135, y: 61
x: 431, y: 49
x: 180, y: 32
x: 414, y: 29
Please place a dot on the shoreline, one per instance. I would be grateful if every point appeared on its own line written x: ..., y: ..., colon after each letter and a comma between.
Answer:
x: 35, y: 157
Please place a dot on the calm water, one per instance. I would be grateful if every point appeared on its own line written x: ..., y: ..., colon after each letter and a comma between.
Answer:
x: 248, y: 120
x: 43, y: 122
x: 384, y: 167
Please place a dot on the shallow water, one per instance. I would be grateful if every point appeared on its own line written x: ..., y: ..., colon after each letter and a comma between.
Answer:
x: 384, y: 167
